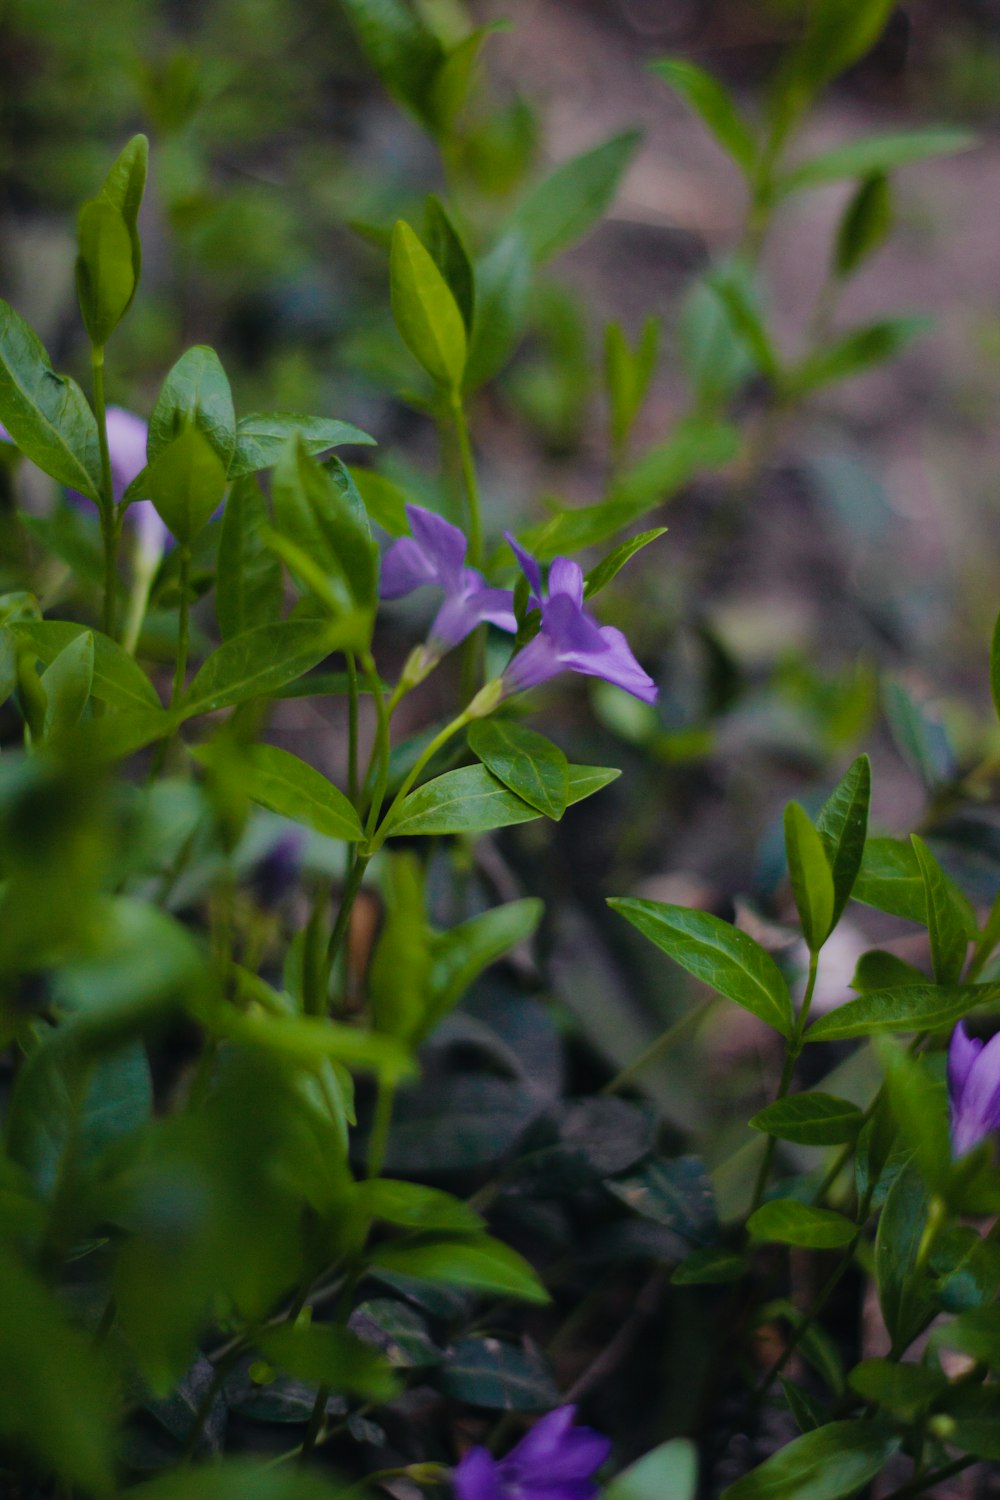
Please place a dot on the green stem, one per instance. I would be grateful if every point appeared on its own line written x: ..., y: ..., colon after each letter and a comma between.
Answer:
x: 180, y: 670
x: 468, y: 480
x: 380, y: 753
x: 109, y: 518
x: 381, y: 1126
x: 138, y: 604
x: 793, y: 1048
x: 663, y: 1044
x: 316, y: 1420
x: 352, y: 727
x: 347, y: 900
x: 426, y: 755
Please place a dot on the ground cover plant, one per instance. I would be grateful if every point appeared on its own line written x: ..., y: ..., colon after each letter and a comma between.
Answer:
x: 337, y: 1156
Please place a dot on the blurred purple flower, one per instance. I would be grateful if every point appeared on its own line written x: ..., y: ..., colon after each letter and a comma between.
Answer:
x: 278, y: 869
x: 435, y: 554
x: 973, y: 1088
x: 569, y: 638
x: 554, y: 1461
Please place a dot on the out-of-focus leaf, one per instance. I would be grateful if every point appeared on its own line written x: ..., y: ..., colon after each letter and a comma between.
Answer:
x: 830, y: 1463
x: 261, y: 438
x: 562, y: 207
x: 712, y: 101
x: 46, y: 414
x: 669, y: 1472
x: 499, y: 1376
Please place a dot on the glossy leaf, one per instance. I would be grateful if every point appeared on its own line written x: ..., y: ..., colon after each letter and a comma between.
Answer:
x: 792, y: 1223
x: 290, y: 787
x: 321, y: 513
x: 830, y: 1463
x: 426, y: 314
x: 842, y: 825
x: 105, y: 279
x: 946, y: 918
x: 117, y: 678
x: 261, y: 438
x: 564, y: 206
x: 910, y: 1007
x: 260, y: 661
x: 248, y: 587
x: 811, y: 878
x: 186, y: 481
x: 473, y: 801
x: 526, y: 762
x: 716, y: 953
x: 485, y: 1265
x: 712, y: 101
x: 195, y: 392
x: 813, y: 1119
x: 890, y: 879
x: 497, y: 1376
x: 46, y: 414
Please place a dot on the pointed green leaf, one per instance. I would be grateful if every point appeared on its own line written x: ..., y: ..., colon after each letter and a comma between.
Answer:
x: 813, y: 1119
x: 261, y: 438
x: 713, y: 102
x: 526, y: 762
x: 472, y: 800
x: 609, y: 567
x: 288, y: 786
x: 46, y: 414
x: 425, y: 311
x: 864, y: 225
x: 186, y: 481
x: 875, y: 153
x: 118, y: 679
x: 842, y: 825
x: 105, y: 278
x: 327, y: 1355
x: 460, y: 955
x: 484, y: 1264
x: 809, y: 871
x: 451, y: 257
x: 718, y: 954
x: 831, y: 1463
x: 67, y: 682
x: 856, y: 351
x: 196, y: 391
x: 564, y: 206
x: 911, y: 1007
x: 258, y: 662
x: 946, y: 918
x: 318, y: 509
x: 788, y: 1222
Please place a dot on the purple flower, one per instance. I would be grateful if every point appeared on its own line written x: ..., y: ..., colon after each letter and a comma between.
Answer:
x: 554, y: 1461
x: 435, y: 554
x: 973, y: 1088
x: 569, y: 638
x: 277, y: 870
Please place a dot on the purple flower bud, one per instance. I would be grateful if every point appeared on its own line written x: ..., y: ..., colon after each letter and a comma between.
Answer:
x: 973, y: 1089
x: 554, y: 1461
x: 435, y: 554
x: 277, y: 871
x: 569, y: 638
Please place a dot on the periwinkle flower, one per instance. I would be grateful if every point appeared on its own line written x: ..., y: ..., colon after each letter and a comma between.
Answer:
x: 569, y: 639
x: 278, y: 868
x: 435, y: 555
x: 554, y: 1461
x: 973, y: 1089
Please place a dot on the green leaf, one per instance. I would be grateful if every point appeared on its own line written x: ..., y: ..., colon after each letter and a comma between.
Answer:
x: 425, y: 311
x: 830, y: 1463
x: 838, y: 33
x: 710, y: 1267
x: 397, y: 1330
x: 713, y: 102
x: 880, y: 970
x: 498, y: 1376
x: 195, y: 392
x: 876, y: 153
x: 61, y: 1406
x: 319, y: 510
x: 919, y: 734
x: 946, y: 918
x: 124, y: 187
x: 262, y: 436
x: 813, y: 1119
x: 248, y: 587
x: 856, y: 351
x: 186, y: 481
x: 975, y: 1333
x: 864, y: 225
x: 672, y: 1191
x: 449, y: 253
x: 910, y: 1007
x: 811, y: 877
x: 806, y: 1410
x: 716, y: 953
x: 562, y: 208
x: 789, y: 1222
x: 527, y: 763
x: 486, y: 1265
x: 105, y: 277
x: 46, y: 414
x: 236, y: 1479
x: 383, y: 499
x: 738, y: 294
x: 118, y: 679
x: 842, y: 825
x: 609, y: 567
x: 904, y: 1290
x: 309, y: 1040
x: 627, y: 376
x: 890, y: 880
x: 460, y: 955
x: 258, y: 662
x: 288, y: 786
x: 503, y: 287
x: 67, y: 682
x: 472, y: 800
x: 669, y: 1472
x: 902, y: 1389
x: 919, y: 1105
x: 401, y: 48
x: 324, y: 1354
x: 413, y: 1206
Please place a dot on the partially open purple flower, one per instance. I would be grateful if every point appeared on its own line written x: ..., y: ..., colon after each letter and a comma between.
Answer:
x: 554, y: 1461
x: 569, y: 638
x: 973, y: 1089
x: 435, y: 554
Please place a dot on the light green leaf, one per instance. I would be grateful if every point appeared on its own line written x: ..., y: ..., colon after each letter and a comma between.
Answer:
x: 789, y: 1222
x: 473, y: 801
x: 67, y: 683
x: 503, y: 288
x: 713, y: 102
x: 876, y: 153
x: 258, y: 662
x: 609, y: 567
x: 669, y: 1472
x: 324, y: 1354
x: 410, y: 1205
x: 46, y: 414
x: 890, y: 879
x: 856, y: 351
x: 564, y: 206
x: 449, y: 253
x: 261, y: 438
x: 716, y: 953
x: 288, y: 786
x: 627, y: 376
x: 118, y: 680
x: 186, y: 481
x: 526, y: 762
x: 196, y: 391
x: 425, y: 311
x: 830, y: 1463
x: 812, y: 880
x: 484, y: 1264
x: 105, y: 278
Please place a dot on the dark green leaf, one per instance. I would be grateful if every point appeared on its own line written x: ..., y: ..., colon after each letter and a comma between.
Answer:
x: 909, y: 1007
x: 501, y: 1377
x: 527, y: 763
x: 946, y: 918
x: 828, y: 1464
x: 196, y: 392
x: 793, y: 1223
x: 904, y: 1290
x: 319, y: 510
x: 865, y: 224
x: 713, y: 102
x: 461, y: 954
x: 675, y: 1192
x: 842, y: 825
x: 186, y: 482
x: 397, y: 1331
x: 716, y: 953
x: 472, y: 801
x: 879, y: 970
x: 236, y: 1479
x: 324, y: 1354
x: 807, y: 1411
x: 810, y: 1120
x: 261, y: 438
x: 503, y: 287
x: 451, y: 257
x: 260, y: 661
x: 67, y: 682
x: 290, y: 787
x: 903, y: 1389
x: 569, y: 202
x: 401, y: 48
x: 248, y: 589
x: 46, y: 414
x: 857, y: 351
x: 603, y: 572
x: 890, y: 879
x: 425, y: 311
x: 975, y: 1333
x: 710, y: 1267
x: 811, y: 877
x: 737, y: 293
x: 118, y: 680
x: 919, y: 734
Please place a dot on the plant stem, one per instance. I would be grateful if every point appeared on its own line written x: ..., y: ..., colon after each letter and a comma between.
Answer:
x: 315, y: 1423
x: 468, y: 480
x: 663, y: 1044
x: 352, y: 726
x: 351, y: 888
x: 381, y: 1126
x: 380, y: 752
x: 793, y: 1048
x: 180, y: 670
x: 109, y: 518
x: 426, y: 755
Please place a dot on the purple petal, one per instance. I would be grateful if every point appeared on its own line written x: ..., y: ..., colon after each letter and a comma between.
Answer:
x: 442, y: 544
x: 962, y: 1053
x: 566, y: 577
x: 535, y: 663
x: 529, y: 566
x: 976, y: 1107
x: 558, y: 1450
x: 151, y: 535
x: 127, y: 435
x: 624, y: 671
x: 405, y: 567
x: 496, y: 607
x: 476, y: 1477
